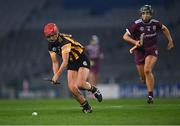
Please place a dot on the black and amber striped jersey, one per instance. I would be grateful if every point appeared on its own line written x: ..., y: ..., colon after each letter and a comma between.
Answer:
x: 67, y: 45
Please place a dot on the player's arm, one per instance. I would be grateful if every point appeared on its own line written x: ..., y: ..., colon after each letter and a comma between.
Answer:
x: 65, y: 57
x: 55, y: 63
x: 168, y: 36
x: 127, y: 37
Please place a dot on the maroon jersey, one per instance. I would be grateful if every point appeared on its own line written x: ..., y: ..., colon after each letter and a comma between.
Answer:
x: 150, y: 30
x: 94, y: 54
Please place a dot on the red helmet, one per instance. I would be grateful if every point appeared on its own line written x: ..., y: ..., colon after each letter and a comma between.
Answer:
x: 50, y: 28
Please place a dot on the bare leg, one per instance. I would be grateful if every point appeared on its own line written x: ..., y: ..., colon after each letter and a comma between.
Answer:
x: 82, y: 83
x: 75, y: 79
x: 82, y: 78
x: 73, y: 87
x: 140, y: 69
x: 149, y: 64
x: 91, y: 78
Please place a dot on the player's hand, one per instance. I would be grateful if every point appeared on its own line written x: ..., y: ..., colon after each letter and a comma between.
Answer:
x: 170, y: 45
x: 137, y: 44
x: 55, y: 78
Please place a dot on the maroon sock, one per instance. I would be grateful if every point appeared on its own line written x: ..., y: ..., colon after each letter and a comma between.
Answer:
x: 150, y: 93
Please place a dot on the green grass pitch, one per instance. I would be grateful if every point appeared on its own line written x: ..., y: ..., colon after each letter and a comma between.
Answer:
x: 109, y: 112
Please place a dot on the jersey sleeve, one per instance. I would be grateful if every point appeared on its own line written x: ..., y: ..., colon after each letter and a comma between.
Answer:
x: 66, y: 47
x: 132, y: 28
x: 159, y: 25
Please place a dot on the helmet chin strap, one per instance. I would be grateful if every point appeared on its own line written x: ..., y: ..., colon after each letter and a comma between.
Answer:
x: 59, y: 38
x: 50, y: 40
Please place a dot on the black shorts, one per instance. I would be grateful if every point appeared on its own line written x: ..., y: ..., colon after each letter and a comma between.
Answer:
x: 83, y: 61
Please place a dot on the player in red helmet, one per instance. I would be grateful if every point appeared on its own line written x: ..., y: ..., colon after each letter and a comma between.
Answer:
x: 50, y: 29
x: 76, y: 61
x: 146, y: 55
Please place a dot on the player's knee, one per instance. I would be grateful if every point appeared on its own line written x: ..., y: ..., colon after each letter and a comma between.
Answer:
x: 147, y: 71
x: 81, y: 83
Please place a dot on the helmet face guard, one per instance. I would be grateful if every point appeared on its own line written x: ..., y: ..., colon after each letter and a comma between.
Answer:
x: 50, y: 29
x: 146, y: 8
x: 146, y: 12
x: 52, y: 38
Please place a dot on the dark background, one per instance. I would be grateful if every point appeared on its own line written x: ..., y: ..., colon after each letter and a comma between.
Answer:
x: 24, y: 59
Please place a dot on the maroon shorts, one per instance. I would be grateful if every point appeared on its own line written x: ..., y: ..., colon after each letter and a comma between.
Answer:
x: 94, y: 69
x: 94, y: 66
x: 141, y: 53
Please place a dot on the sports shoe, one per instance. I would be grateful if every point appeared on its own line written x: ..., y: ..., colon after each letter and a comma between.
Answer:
x: 86, y: 107
x: 87, y: 110
x: 150, y: 100
x: 98, y: 95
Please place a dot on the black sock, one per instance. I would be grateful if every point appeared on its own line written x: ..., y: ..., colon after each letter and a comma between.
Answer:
x: 150, y: 93
x: 85, y: 104
x: 93, y: 89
